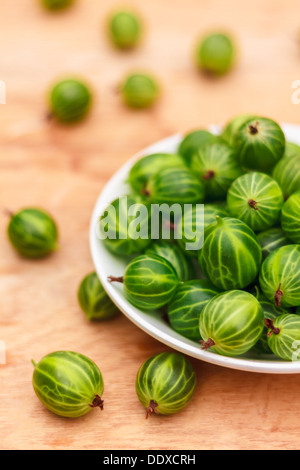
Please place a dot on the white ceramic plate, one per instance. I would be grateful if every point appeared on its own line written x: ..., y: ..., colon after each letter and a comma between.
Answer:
x: 107, y: 264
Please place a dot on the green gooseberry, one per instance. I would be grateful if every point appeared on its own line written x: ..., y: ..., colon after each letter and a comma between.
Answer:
x: 271, y: 239
x: 216, y: 166
x: 215, y: 54
x: 165, y: 383
x: 260, y: 144
x: 231, y: 323
x: 291, y: 150
x: 33, y: 233
x: 284, y: 336
x: 149, y: 282
x: 287, y: 174
x: 231, y: 127
x: 139, y: 90
x: 147, y: 166
x: 55, y: 5
x: 124, y: 29
x: 70, y: 100
x: 68, y: 383
x: 93, y: 299
x: 256, y: 199
x: 193, y: 141
x: 290, y: 217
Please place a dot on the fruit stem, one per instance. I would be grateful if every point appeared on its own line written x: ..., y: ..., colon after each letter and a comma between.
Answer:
x: 207, y: 344
x: 208, y: 175
x: 252, y: 204
x: 145, y: 191
x: 278, y: 295
x: 219, y: 220
x: 253, y: 129
x: 151, y: 409
x: 270, y: 325
x: 97, y: 402
x: 115, y: 279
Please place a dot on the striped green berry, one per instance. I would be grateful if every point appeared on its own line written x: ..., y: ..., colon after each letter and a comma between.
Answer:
x: 70, y: 100
x: 287, y: 174
x: 93, y: 299
x: 290, y: 217
x: 68, y: 383
x: 256, y: 199
x: 216, y: 166
x: 271, y: 239
x: 149, y: 282
x: 33, y: 233
x: 231, y: 255
x: 284, y: 336
x: 165, y: 383
x: 193, y: 141
x: 231, y: 323
x: 182, y: 264
x: 279, y: 277
x: 231, y: 127
x: 185, y: 307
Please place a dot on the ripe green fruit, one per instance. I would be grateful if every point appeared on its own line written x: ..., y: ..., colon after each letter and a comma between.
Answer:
x: 290, y: 217
x: 70, y: 101
x: 68, y: 383
x: 256, y: 199
x: 93, y: 299
x: 194, y: 141
x: 165, y: 383
x: 231, y: 255
x: 287, y: 174
x: 147, y: 166
x: 56, y: 4
x: 175, y: 186
x: 291, y: 150
x: 215, y: 54
x: 123, y: 232
x: 124, y: 29
x: 149, y: 282
x: 33, y: 233
x: 231, y: 323
x: 272, y: 239
x: 139, y: 90
x: 232, y: 127
x: 179, y: 260
x: 189, y: 228
x: 185, y: 307
x: 216, y: 166
x: 279, y: 277
x: 260, y: 144
x: 284, y: 336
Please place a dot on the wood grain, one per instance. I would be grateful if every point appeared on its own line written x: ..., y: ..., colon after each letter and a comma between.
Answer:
x: 63, y: 169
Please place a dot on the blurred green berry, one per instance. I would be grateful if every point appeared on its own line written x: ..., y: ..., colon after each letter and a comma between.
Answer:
x: 139, y: 90
x: 56, y: 4
x: 215, y: 54
x: 124, y: 29
x: 93, y: 299
x: 70, y: 100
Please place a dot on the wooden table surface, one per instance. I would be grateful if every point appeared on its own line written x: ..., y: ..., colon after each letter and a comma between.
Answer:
x: 63, y: 169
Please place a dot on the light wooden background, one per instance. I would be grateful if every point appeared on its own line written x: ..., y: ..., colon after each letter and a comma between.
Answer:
x: 64, y: 169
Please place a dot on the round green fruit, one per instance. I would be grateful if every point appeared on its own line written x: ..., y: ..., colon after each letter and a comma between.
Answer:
x: 165, y: 383
x: 33, y: 233
x: 124, y: 29
x: 194, y: 141
x: 149, y: 282
x: 256, y: 199
x: 291, y: 150
x: 147, y: 166
x: 216, y: 166
x: 231, y: 323
x: 182, y: 264
x: 93, y: 299
x: 260, y: 144
x: 68, y: 383
x: 175, y: 186
x: 55, y: 5
x: 272, y: 239
x: 279, y: 277
x: 70, y: 101
x: 290, y: 217
x: 231, y: 128
x: 287, y: 175
x: 284, y: 336
x: 124, y: 225
x: 215, y: 54
x: 231, y: 255
x: 185, y: 307
x: 139, y: 90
